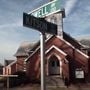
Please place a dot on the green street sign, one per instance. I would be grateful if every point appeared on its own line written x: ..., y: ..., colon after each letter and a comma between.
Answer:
x: 47, y: 9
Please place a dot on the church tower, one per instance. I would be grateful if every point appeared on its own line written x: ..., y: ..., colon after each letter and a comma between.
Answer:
x: 57, y: 18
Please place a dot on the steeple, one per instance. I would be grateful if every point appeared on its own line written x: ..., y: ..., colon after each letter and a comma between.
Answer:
x: 57, y: 18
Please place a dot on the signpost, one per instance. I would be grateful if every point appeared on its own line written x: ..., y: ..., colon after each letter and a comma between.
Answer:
x: 43, y: 26
x: 47, y: 9
x: 42, y: 50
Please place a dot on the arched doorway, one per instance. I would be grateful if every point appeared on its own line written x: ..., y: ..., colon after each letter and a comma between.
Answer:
x: 54, y: 66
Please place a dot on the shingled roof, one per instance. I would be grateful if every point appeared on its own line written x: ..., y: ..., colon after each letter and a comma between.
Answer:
x: 72, y: 41
x: 24, y: 49
x: 7, y: 62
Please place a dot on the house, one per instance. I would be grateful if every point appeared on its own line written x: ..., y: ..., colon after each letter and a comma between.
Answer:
x: 9, y: 67
x: 12, y: 66
x: 21, y: 54
x: 1, y: 68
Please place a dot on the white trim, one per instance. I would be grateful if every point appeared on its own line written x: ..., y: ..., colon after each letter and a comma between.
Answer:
x: 59, y: 58
x: 38, y: 48
x: 82, y: 53
x: 66, y: 60
x: 65, y: 41
x: 31, y: 54
x: 49, y: 37
x: 53, y: 46
x: 73, y: 47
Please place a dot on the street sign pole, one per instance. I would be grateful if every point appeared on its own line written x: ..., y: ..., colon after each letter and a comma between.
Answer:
x: 42, y: 49
x: 7, y: 83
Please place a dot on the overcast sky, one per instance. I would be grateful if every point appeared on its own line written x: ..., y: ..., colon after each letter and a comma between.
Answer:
x: 12, y: 32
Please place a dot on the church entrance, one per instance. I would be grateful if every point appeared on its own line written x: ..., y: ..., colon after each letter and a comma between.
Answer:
x: 54, y: 66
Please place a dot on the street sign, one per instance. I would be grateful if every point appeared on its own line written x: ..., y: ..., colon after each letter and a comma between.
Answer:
x: 39, y: 24
x: 47, y: 9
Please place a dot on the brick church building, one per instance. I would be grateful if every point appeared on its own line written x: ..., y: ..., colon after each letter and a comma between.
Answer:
x: 64, y: 56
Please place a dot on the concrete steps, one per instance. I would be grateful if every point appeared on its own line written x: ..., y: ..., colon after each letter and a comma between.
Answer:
x: 54, y: 81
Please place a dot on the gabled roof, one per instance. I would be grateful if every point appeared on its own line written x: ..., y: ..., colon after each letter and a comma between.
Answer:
x: 72, y: 41
x: 12, y: 63
x: 78, y: 50
x: 24, y: 49
x: 59, y: 50
x: 37, y: 47
x: 69, y: 43
x: 7, y: 62
x: 67, y: 37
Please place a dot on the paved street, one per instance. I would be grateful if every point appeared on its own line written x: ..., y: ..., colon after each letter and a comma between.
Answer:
x: 37, y: 87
